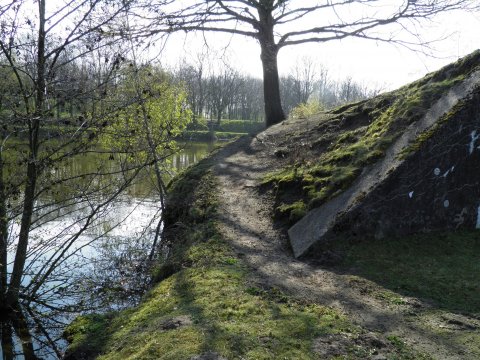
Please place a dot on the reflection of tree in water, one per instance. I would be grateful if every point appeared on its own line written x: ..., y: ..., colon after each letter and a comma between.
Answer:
x: 79, y: 122
x: 72, y: 268
x: 120, y: 274
x: 72, y: 92
x: 15, y: 323
x: 114, y: 278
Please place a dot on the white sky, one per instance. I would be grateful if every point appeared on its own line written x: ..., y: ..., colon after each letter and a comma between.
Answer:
x: 378, y: 64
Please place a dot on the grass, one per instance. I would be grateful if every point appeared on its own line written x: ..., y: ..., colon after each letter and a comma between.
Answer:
x: 442, y: 268
x: 366, y: 131
x: 404, y: 351
x: 227, y: 130
x: 241, y: 126
x: 205, y: 135
x: 206, y: 282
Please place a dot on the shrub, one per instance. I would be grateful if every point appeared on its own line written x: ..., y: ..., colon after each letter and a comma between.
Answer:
x: 307, y: 109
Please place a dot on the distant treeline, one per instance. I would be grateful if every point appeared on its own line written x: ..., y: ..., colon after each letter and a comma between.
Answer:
x: 214, y: 92
x: 222, y: 92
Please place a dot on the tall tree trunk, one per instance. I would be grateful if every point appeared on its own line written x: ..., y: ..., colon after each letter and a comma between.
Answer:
x: 7, y: 338
x: 271, y: 83
x: 20, y: 325
x: 5, y: 327
x: 32, y: 167
x: 3, y: 234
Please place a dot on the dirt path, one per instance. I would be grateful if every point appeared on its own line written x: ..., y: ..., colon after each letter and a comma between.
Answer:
x: 247, y: 222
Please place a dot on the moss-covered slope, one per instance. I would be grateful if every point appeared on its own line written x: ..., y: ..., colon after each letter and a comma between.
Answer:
x: 205, y: 305
x: 354, y: 136
x: 203, y: 302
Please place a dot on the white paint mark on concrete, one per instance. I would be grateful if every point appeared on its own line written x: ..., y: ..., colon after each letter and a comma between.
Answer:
x: 478, y: 219
x: 448, y: 171
x: 436, y: 171
x: 459, y: 219
x: 474, y: 137
x: 410, y: 194
x: 446, y: 203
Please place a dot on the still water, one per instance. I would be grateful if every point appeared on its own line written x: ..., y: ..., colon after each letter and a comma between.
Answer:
x: 113, y: 248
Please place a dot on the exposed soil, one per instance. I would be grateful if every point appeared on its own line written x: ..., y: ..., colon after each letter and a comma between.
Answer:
x: 247, y: 221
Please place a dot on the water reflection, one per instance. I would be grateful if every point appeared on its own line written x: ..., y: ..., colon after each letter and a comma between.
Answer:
x: 190, y: 154
x: 104, y: 268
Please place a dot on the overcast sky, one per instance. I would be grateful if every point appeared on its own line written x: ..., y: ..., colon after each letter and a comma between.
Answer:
x: 378, y: 64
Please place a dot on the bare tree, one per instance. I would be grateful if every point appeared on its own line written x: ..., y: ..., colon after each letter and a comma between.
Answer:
x: 221, y: 90
x: 39, y: 46
x: 218, y: 90
x: 275, y: 24
x: 304, y: 74
x: 298, y: 86
x: 192, y: 76
x: 34, y: 79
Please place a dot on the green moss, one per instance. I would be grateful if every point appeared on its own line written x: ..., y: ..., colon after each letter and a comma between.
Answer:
x: 294, y: 211
x: 427, y: 134
x: 207, y: 283
x: 87, y: 335
x: 347, y: 107
x: 386, y: 117
x: 347, y: 137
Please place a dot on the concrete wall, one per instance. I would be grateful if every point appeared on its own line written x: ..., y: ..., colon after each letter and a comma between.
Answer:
x: 436, y: 188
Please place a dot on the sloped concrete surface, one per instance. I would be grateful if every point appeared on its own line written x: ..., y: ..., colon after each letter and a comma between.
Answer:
x: 314, y: 228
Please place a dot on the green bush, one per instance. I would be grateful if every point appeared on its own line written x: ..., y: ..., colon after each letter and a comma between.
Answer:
x: 305, y: 110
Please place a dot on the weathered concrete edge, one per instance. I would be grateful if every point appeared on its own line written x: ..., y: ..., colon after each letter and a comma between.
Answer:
x: 317, y: 222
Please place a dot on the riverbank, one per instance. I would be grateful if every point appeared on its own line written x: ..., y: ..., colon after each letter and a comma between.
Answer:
x: 204, y: 301
x: 203, y: 130
x: 212, y: 300
x: 231, y: 287
x: 205, y: 135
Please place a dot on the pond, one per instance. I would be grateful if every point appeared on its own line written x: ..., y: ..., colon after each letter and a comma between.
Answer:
x: 105, y: 266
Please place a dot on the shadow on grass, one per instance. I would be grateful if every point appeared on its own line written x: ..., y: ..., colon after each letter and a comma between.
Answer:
x: 204, y: 280
x: 241, y: 322
x: 439, y: 267
x: 211, y: 283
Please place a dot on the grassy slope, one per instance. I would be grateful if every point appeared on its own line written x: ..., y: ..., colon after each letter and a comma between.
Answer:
x: 443, y: 268
x: 365, y: 131
x: 228, y: 315
x: 204, y: 283
x: 228, y: 129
